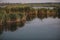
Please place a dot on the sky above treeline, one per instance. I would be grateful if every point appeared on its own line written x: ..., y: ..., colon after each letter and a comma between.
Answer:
x: 28, y: 1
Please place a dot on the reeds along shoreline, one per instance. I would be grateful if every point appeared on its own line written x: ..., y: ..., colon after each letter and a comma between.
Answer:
x: 17, y: 14
x: 11, y: 20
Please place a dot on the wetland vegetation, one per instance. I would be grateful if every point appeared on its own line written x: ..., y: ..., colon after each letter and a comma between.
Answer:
x: 22, y: 22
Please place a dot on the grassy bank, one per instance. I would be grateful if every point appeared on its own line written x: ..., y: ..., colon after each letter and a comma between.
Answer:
x: 12, y: 13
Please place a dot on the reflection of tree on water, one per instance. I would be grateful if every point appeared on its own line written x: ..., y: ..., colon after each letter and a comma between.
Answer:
x: 1, y: 32
x: 20, y: 24
x: 29, y: 18
x: 1, y: 29
x: 42, y: 13
x: 30, y: 15
x: 12, y: 26
x: 58, y: 12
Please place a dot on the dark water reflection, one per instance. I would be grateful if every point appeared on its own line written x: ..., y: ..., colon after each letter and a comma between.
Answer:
x: 36, y: 26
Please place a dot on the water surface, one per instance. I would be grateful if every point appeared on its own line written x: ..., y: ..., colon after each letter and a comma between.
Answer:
x: 35, y: 27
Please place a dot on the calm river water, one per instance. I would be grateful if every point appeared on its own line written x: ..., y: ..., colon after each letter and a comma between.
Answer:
x: 36, y: 29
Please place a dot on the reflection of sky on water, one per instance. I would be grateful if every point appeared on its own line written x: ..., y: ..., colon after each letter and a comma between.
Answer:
x: 43, y: 7
x: 36, y: 29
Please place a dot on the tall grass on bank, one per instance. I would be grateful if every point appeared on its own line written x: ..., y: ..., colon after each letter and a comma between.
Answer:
x: 13, y: 13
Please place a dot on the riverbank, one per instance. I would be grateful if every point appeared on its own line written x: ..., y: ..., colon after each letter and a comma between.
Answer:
x: 14, y: 13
